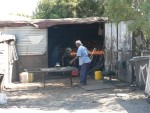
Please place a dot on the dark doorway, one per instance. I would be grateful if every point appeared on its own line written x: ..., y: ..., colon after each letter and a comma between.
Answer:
x: 63, y: 36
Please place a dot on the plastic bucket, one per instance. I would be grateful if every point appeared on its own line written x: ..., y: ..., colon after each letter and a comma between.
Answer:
x: 98, y: 75
x: 26, y: 77
x: 74, y: 73
x: 23, y: 77
x: 30, y: 77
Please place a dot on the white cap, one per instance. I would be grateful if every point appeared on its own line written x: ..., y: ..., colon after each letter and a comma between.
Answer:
x: 68, y: 50
x: 78, y: 42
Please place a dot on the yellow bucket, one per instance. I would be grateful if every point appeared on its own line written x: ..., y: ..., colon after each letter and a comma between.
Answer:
x: 30, y: 77
x: 98, y: 75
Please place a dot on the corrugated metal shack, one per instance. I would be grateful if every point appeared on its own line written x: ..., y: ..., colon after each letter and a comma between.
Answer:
x: 33, y: 40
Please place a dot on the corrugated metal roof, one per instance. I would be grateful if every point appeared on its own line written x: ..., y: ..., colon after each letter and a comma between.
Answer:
x: 44, y: 23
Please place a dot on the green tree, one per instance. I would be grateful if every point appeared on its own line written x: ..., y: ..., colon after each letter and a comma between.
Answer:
x: 119, y: 10
x: 65, y: 8
x: 44, y: 9
x: 136, y: 12
x: 88, y: 8
x: 68, y: 8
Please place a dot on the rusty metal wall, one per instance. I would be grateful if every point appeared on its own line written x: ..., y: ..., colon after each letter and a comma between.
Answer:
x: 124, y: 51
x: 124, y: 42
x: 30, y: 41
x: 110, y: 45
x: 118, y: 51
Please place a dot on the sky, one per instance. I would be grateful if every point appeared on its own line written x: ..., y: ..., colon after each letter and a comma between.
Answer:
x: 17, y: 7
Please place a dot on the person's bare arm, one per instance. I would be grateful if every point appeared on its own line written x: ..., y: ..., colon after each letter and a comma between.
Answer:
x: 74, y: 59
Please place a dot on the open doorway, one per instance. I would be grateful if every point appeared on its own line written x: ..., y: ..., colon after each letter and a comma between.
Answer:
x: 62, y: 37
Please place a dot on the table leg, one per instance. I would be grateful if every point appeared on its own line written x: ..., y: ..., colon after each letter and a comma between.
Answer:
x: 71, y: 79
x: 44, y: 79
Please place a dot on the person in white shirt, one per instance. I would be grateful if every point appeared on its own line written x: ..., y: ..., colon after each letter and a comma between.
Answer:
x: 84, y: 61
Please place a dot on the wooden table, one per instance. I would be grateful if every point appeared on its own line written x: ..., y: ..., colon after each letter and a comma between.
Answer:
x: 68, y: 69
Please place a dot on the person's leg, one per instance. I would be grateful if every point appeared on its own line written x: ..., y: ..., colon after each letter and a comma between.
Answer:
x: 87, y: 67
x: 79, y: 69
x: 83, y: 73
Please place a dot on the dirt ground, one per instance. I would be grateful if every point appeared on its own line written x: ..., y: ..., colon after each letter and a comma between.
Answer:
x: 60, y: 97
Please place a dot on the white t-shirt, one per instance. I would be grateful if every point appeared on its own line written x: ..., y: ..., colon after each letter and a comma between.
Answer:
x: 82, y: 53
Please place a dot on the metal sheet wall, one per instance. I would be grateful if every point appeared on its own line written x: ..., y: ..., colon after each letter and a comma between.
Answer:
x: 118, y: 51
x: 124, y: 42
x: 111, y: 45
x: 125, y: 52
x: 4, y: 63
x: 29, y: 40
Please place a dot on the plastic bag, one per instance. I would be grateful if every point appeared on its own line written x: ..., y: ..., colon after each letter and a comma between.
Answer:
x: 3, y: 98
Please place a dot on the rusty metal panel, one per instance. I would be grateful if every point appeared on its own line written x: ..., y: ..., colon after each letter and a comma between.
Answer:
x: 29, y: 40
x: 124, y: 41
x: 111, y: 45
x: 124, y: 51
x: 118, y: 43
x: 111, y: 36
x: 108, y: 35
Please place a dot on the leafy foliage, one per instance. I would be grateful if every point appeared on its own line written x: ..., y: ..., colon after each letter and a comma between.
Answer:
x: 136, y: 12
x: 118, y: 10
x: 68, y: 9
x: 44, y: 9
x: 87, y: 8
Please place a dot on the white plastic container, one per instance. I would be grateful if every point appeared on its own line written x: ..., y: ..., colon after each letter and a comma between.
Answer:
x: 23, y: 77
x: 3, y: 98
